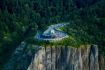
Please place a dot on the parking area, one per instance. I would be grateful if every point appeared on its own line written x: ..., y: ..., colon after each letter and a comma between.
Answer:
x: 52, y: 34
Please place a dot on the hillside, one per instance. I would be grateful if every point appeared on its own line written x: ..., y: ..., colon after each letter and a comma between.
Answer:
x: 32, y: 57
x: 20, y: 20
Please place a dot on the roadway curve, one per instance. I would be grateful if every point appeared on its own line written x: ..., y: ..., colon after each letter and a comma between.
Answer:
x: 60, y: 33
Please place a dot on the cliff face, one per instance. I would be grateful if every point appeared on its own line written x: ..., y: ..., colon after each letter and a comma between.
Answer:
x: 32, y: 57
x: 66, y: 58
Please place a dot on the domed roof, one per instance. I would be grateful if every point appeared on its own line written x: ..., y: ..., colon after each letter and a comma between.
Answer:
x: 49, y: 32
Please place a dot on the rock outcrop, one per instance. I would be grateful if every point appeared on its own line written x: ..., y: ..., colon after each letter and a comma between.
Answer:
x: 66, y: 58
x: 32, y: 57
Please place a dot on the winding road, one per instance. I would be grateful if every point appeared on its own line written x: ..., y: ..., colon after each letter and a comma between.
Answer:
x: 60, y: 34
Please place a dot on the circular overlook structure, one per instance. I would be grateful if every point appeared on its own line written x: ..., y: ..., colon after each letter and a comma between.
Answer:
x: 52, y: 34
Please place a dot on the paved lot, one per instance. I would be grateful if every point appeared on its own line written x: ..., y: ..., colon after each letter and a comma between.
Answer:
x: 60, y: 34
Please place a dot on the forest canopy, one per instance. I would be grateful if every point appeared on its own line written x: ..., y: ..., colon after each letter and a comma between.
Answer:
x: 20, y: 19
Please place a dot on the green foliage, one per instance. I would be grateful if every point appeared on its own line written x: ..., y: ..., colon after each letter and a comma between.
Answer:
x: 19, y: 20
x: 89, y: 25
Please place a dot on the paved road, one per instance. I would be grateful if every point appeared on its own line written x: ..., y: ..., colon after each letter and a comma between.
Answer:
x: 61, y: 34
x: 57, y: 25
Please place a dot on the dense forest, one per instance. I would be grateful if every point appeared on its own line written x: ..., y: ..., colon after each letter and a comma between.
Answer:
x: 19, y: 19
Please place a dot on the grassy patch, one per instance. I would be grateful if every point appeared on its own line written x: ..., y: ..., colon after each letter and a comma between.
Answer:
x: 61, y: 28
x: 69, y: 41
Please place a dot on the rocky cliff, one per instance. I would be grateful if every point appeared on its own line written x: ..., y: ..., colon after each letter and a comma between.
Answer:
x: 32, y: 57
x: 66, y: 58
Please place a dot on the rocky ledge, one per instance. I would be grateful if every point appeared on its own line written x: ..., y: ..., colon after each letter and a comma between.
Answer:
x: 32, y: 57
x: 66, y: 58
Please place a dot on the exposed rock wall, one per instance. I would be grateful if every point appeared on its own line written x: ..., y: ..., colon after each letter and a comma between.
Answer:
x: 66, y: 58
x: 32, y: 57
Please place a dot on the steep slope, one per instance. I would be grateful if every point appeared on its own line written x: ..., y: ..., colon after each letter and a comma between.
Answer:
x: 32, y: 57
x: 66, y: 58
